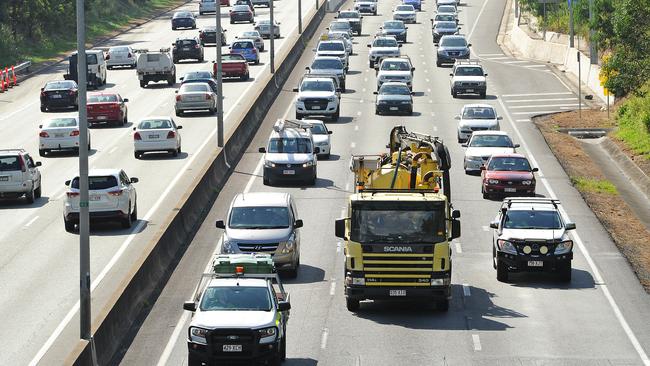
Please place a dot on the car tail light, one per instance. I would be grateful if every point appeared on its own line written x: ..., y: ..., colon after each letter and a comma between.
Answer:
x: 171, y: 134
x: 22, y: 164
x: 208, y: 97
x: 115, y: 193
x: 74, y: 133
x: 178, y: 98
x: 129, y: 55
x: 115, y: 106
x: 136, y: 136
x: 197, y: 46
x: 44, y: 134
x: 73, y: 92
x: 254, y: 50
x: 72, y: 194
x: 43, y: 94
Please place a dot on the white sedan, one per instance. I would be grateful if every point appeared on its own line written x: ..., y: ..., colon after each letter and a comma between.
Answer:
x: 154, y: 134
x: 482, y: 145
x: 59, y: 133
x: 405, y: 13
x: 321, y: 136
x: 120, y: 56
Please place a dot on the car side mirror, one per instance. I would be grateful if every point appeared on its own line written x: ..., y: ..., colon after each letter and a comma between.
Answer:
x: 40, y: 126
x: 455, y: 227
x: 284, y: 306
x: 175, y: 91
x: 494, y: 225
x: 406, y: 27
x: 181, y: 78
x: 517, y: 145
x: 375, y: 93
x: 484, y: 74
x: 534, y: 170
x: 329, y: 132
x: 307, y: 68
x: 469, y: 45
x: 459, y: 28
x: 500, y: 118
x: 189, y: 306
x: 262, y: 149
x: 369, y: 46
x: 463, y: 145
x: 298, y: 224
x: 179, y: 127
x: 316, y: 150
x: 399, y: 46
x: 412, y: 68
x: 570, y: 226
x: 134, y: 180
x: 457, y: 117
x: 451, y: 74
x: 67, y: 183
x: 125, y: 100
x: 173, y: 44
x: 295, y: 89
x: 38, y: 163
x: 339, y: 90
x: 220, y: 224
x: 134, y: 128
x: 42, y: 89
x: 455, y: 214
x: 339, y: 229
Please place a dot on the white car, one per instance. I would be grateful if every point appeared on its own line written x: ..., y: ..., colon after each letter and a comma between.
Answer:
x: 476, y: 117
x: 345, y: 37
x: 255, y: 36
x: 111, y: 196
x: 397, y: 69
x: 318, y: 96
x: 19, y: 175
x: 366, y: 6
x: 121, y: 56
x: 405, y: 13
x: 321, y: 136
x: 382, y: 47
x: 482, y: 145
x: 333, y: 48
x: 207, y: 6
x: 195, y: 96
x: 59, y: 133
x: 156, y: 134
x: 340, y: 25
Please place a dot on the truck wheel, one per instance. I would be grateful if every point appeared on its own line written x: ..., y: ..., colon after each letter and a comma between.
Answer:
x: 442, y: 305
x: 352, y: 304
x: 502, y: 271
x: 565, y: 272
x: 69, y: 225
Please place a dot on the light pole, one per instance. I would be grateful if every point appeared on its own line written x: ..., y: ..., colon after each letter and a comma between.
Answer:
x: 219, y: 77
x: 593, y: 47
x: 272, y: 38
x: 571, y: 31
x: 299, y: 16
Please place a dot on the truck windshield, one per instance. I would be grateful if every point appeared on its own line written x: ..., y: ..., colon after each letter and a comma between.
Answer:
x: 236, y: 298
x: 259, y: 218
x: 398, y: 222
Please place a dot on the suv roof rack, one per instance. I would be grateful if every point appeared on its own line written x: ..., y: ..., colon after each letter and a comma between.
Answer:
x: 282, y: 124
x: 533, y: 200
x: 16, y: 149
x: 467, y: 62
x: 146, y: 50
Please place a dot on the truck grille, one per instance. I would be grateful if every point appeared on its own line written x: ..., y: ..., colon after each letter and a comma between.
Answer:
x: 397, y: 269
x: 244, y: 337
x: 258, y: 248
x: 315, y: 104
x: 467, y: 83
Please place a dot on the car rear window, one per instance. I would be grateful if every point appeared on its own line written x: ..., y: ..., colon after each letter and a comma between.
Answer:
x: 183, y: 14
x: 185, y: 42
x: 240, y: 8
x: 197, y: 75
x: 61, y: 122
x: 97, y: 182
x: 233, y: 58
x: 102, y: 98
x: 119, y: 49
x: 242, y: 45
x: 9, y: 163
x: 53, y: 85
x: 479, y: 113
x: 153, y: 58
x: 194, y: 88
x: 152, y: 124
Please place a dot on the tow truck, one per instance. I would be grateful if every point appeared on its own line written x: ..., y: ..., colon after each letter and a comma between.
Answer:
x: 400, y: 222
x: 239, y: 313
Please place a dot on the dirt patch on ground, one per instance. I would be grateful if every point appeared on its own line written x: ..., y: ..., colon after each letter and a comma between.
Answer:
x: 628, y: 232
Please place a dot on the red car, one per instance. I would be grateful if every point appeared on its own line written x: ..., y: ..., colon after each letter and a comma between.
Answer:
x: 225, y: 2
x: 233, y: 65
x: 507, y: 174
x: 107, y: 108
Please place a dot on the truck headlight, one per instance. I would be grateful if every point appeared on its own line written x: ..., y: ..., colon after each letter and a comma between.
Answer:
x: 564, y: 247
x: 506, y: 246
x: 332, y: 99
x: 269, y: 164
x: 440, y: 281
x: 358, y: 281
x: 197, y: 335
x: 267, y: 335
x: 308, y: 164
x: 228, y: 247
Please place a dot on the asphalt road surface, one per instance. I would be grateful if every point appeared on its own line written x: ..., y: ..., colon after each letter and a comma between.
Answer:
x: 600, y: 318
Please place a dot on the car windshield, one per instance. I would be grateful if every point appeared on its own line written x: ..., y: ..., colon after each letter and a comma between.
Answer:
x: 469, y: 71
x: 446, y: 9
x: 453, y: 42
x: 259, y: 218
x: 97, y: 182
x: 193, y: 87
x: 338, y: 35
x: 318, y: 129
x: 233, y: 57
x: 236, y: 298
x: 102, y: 98
x: 394, y: 89
x: 404, y: 8
x: 383, y: 42
x: 120, y: 49
x: 331, y: 46
x: 505, y: 164
x: 327, y: 64
x: 340, y: 25
x: 183, y: 14
x: 242, y: 45
x: 446, y: 25
x: 490, y: 141
x: 197, y: 75
x: 398, y: 222
x: 348, y: 15
x: 241, y: 8
x: 445, y: 17
x: 9, y: 163
x: 154, y: 124
x: 53, y: 85
x: 532, y: 219
x: 61, y: 122
x: 317, y: 85
x: 290, y: 145
x: 395, y: 66
x: 252, y: 34
x: 264, y: 22
x: 479, y: 113
x: 393, y: 25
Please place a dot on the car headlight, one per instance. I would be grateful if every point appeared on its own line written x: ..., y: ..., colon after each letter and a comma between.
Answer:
x: 197, y: 335
x: 564, y: 247
x: 286, y: 247
x: 382, y: 102
x: 308, y: 164
x: 481, y: 83
x: 322, y: 143
x: 267, y: 335
x: 332, y: 99
x: 405, y: 102
x: 506, y: 246
x: 526, y: 182
x: 494, y: 127
x: 493, y: 181
x: 269, y: 164
x: 228, y: 247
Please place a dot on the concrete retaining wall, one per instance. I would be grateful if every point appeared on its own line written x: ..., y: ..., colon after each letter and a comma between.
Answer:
x: 632, y: 171
x: 151, y: 273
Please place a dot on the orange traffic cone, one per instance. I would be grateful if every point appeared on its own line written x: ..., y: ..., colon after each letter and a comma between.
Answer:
x: 13, y: 72
x: 7, y: 80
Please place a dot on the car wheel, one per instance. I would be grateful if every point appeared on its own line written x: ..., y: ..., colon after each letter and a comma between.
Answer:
x: 352, y: 304
x: 43, y: 108
x: 30, y: 196
x: 486, y: 195
x: 134, y: 214
x: 76, y: 151
x: 137, y: 154
x: 173, y: 153
x: 283, y: 348
x: 454, y: 93
x: 299, y: 116
x: 69, y: 225
x: 438, y: 63
x: 371, y: 64
x: 41, y: 152
x: 245, y: 77
x: 173, y: 28
x: 179, y: 113
x: 201, y: 59
x: 125, y: 120
x: 257, y: 62
x: 335, y: 116
x: 565, y: 272
x: 483, y: 95
x: 127, y: 222
x: 38, y: 191
x: 502, y: 271
x: 494, y: 256
x: 266, y: 181
x: 179, y: 150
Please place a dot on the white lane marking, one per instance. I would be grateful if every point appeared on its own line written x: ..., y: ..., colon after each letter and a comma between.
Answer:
x: 361, y: 101
x: 523, y: 120
x: 356, y: 127
x: 533, y: 66
x: 363, y: 90
x: 251, y: 180
x: 323, y: 339
x: 576, y: 237
x: 112, y: 150
x: 540, y: 100
x: 343, y: 212
x: 347, y: 186
x: 358, y: 113
x: 490, y: 54
x: 543, y: 106
x: 430, y: 101
x: 366, y: 79
x: 477, y: 342
x: 466, y: 291
x: 7, y: 116
x: 496, y: 58
x: 459, y: 249
x: 338, y: 247
x: 435, y: 128
x: 469, y: 36
x: 353, y: 145
x: 535, y: 112
x: 427, y: 80
x: 426, y: 70
x: 28, y: 224
x: 487, y: 228
x: 433, y: 114
x: 534, y: 94
x: 333, y: 287
x: 428, y: 90
x: 515, y: 62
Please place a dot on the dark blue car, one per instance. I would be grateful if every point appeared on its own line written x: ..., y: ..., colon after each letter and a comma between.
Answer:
x: 246, y: 48
x: 417, y: 4
x: 183, y: 19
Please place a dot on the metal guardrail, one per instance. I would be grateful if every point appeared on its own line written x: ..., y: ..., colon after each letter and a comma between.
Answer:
x: 23, y: 68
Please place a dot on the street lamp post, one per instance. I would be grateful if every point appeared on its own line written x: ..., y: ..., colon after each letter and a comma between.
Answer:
x: 593, y: 47
x: 272, y: 38
x: 571, y: 30
x: 219, y: 77
x: 299, y: 16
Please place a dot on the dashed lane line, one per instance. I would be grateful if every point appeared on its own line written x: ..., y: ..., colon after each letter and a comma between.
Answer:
x: 477, y: 342
x: 535, y: 94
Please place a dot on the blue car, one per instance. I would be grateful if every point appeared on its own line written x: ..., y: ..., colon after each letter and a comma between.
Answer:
x: 417, y: 4
x: 246, y: 48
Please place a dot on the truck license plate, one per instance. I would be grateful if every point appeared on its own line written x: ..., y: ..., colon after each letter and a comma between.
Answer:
x: 397, y: 293
x: 232, y: 348
x: 288, y: 172
x: 535, y: 264
x: 510, y: 189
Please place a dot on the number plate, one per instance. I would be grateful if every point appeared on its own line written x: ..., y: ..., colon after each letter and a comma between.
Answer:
x: 396, y: 292
x: 288, y: 172
x: 393, y: 108
x: 58, y: 135
x: 315, y: 107
x: 102, y: 117
x: 186, y: 49
x: 154, y: 136
x: 94, y: 197
x: 510, y: 189
x: 470, y: 90
x: 232, y: 348
x: 4, y: 179
x: 535, y: 264
x: 56, y: 96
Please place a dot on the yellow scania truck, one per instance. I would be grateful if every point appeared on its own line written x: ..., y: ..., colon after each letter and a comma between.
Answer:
x: 400, y: 222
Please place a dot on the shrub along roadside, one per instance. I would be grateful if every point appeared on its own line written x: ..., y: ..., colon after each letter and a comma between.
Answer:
x: 634, y: 122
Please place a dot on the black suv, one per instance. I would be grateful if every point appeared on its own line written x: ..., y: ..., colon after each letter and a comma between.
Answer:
x: 208, y: 35
x: 187, y: 48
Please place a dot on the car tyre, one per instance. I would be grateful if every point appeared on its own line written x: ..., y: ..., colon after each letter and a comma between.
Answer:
x: 352, y: 304
x: 174, y: 152
x: 43, y: 108
x: 502, y: 271
x: 41, y: 152
x: 257, y: 62
x: 438, y: 63
x: 134, y: 214
x: 483, y: 95
x: 30, y: 196
x: 299, y: 116
x: 143, y: 84
x: 127, y: 222
x: 69, y: 225
x: 454, y: 93
x: 179, y: 113
x: 371, y: 64
x: 137, y: 154
x: 565, y: 272
x: 266, y: 181
x: 336, y: 115
x: 38, y: 191
x: 245, y: 77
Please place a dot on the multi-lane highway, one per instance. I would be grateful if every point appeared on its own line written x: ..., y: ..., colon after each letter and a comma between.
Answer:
x: 600, y: 318
x: 39, y: 265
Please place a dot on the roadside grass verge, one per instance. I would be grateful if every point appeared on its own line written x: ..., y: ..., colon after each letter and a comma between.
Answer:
x: 587, y: 184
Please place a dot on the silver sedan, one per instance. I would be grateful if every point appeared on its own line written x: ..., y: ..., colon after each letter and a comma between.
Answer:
x: 255, y: 36
x: 195, y: 96
x: 264, y: 27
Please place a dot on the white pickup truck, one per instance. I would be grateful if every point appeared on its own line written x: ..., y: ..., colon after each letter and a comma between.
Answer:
x: 155, y: 66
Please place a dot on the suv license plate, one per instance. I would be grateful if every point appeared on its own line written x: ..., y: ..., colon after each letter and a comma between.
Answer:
x: 396, y: 292
x: 393, y: 108
x: 56, y: 96
x: 535, y: 264
x: 315, y: 107
x: 510, y: 189
x: 94, y: 198
x: 288, y: 172
x: 232, y: 348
